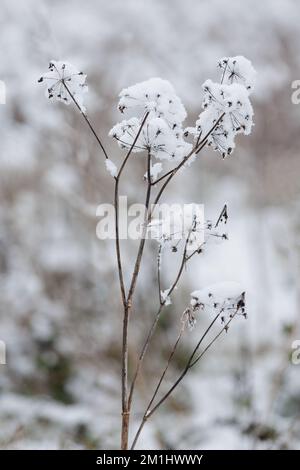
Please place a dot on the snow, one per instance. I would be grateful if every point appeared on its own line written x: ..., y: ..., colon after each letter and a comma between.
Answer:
x: 227, y: 108
x: 226, y: 299
x: 157, y: 97
x: 155, y: 170
x: 238, y: 70
x: 64, y: 81
x: 165, y: 297
x: 227, y: 112
x: 162, y: 133
x: 175, y: 225
x: 218, y: 292
x: 111, y: 167
x: 157, y: 137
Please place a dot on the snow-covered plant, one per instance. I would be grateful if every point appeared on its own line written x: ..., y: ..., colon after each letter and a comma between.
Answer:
x: 154, y: 131
x: 162, y: 135
x: 64, y: 81
x: 227, y: 299
x: 227, y: 103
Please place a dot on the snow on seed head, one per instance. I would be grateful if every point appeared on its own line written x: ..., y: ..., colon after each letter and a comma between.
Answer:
x: 162, y: 133
x: 63, y: 81
x: 226, y: 299
x: 238, y: 70
x: 155, y: 96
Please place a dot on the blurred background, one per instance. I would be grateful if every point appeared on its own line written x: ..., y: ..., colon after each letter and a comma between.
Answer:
x: 60, y: 313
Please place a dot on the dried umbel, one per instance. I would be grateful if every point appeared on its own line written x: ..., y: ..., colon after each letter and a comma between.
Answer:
x: 64, y: 81
x: 225, y: 299
x: 238, y: 70
x: 162, y: 135
x: 227, y: 103
x: 157, y: 97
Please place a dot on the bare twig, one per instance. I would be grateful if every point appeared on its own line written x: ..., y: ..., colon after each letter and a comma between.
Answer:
x: 195, y: 150
x: 116, y: 204
x: 190, y: 363
x: 159, y: 255
x: 145, y: 417
x: 132, y: 145
x: 143, y: 236
x: 85, y: 118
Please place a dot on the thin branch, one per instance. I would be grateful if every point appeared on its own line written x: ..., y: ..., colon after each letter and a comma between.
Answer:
x: 85, y: 118
x: 116, y: 204
x: 133, y: 145
x: 159, y: 255
x: 196, y: 149
x: 225, y: 328
x: 125, y: 411
x: 145, y: 417
x: 222, y: 215
x: 127, y: 309
x: 189, y: 365
x: 143, y: 236
x: 143, y: 352
x: 118, y: 248
x: 126, y: 304
x: 171, y: 355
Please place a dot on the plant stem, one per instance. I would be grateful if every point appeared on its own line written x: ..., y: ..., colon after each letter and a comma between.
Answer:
x: 145, y: 417
x: 155, y: 322
x: 149, y: 412
x: 116, y: 205
x: 85, y: 118
x: 143, y: 236
x: 126, y: 301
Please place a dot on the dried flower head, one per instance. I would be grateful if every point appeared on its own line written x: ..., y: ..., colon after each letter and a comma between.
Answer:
x: 238, y: 70
x: 227, y: 110
x: 162, y: 135
x: 157, y: 97
x: 64, y: 81
x: 226, y: 299
x: 156, y: 137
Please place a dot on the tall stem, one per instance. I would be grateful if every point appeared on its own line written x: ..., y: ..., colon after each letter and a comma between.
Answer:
x: 126, y: 301
x: 125, y: 410
x: 126, y: 404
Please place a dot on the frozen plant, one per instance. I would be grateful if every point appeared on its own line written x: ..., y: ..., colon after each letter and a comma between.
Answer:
x: 224, y: 298
x: 154, y: 132
x: 63, y: 82
x: 228, y: 104
x: 162, y: 135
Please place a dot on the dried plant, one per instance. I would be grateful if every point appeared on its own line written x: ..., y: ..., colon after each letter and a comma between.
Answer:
x: 156, y: 133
